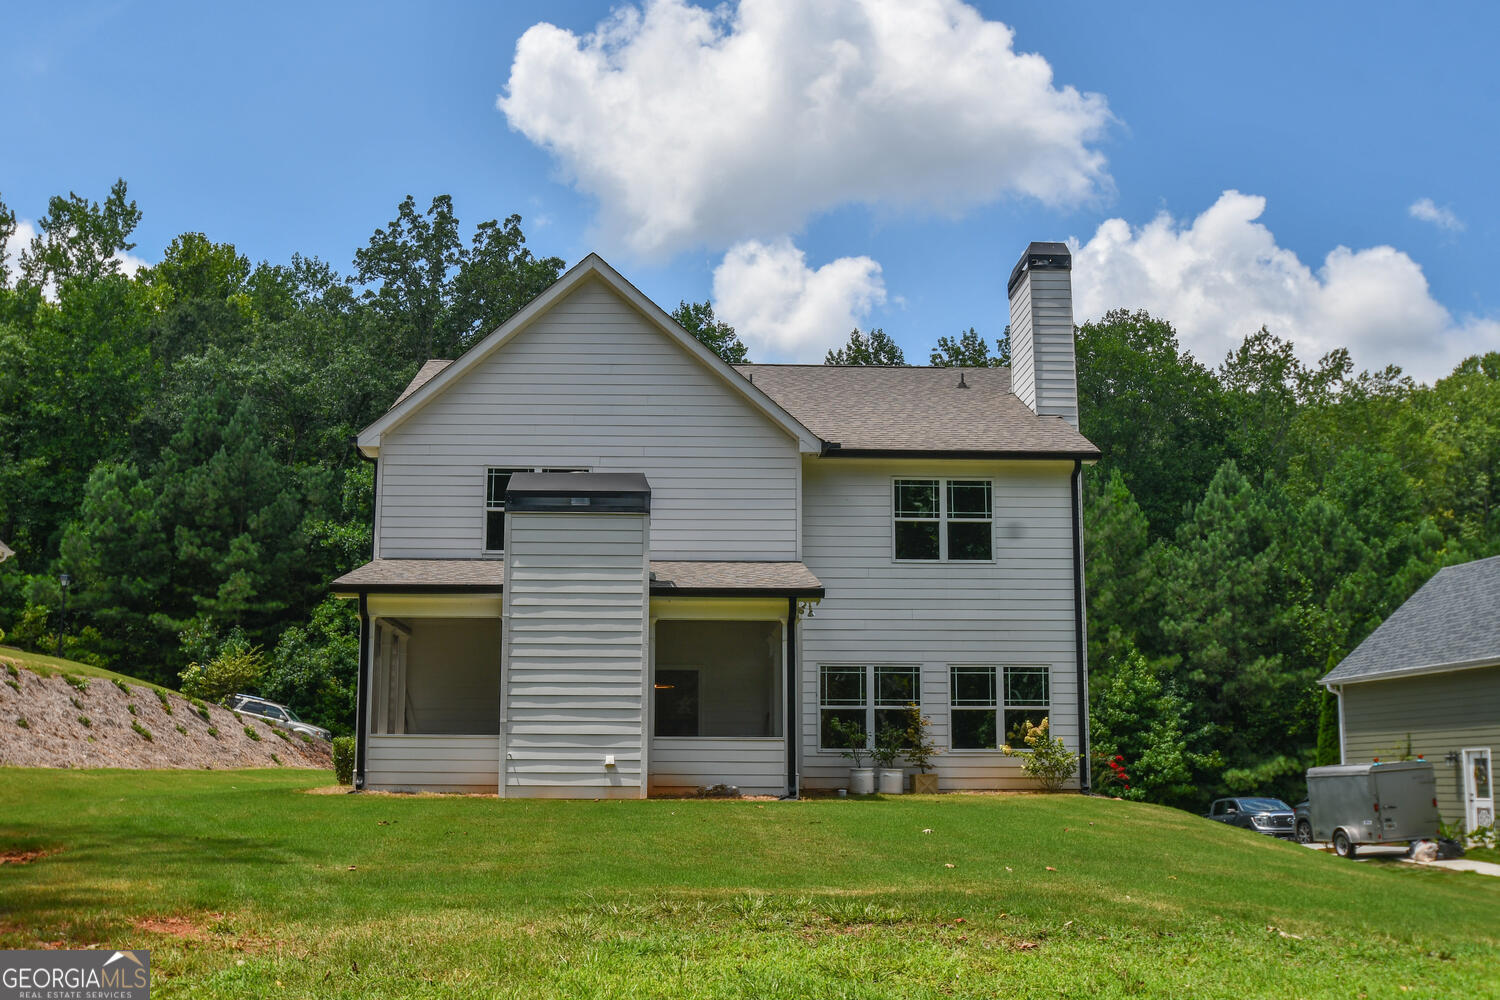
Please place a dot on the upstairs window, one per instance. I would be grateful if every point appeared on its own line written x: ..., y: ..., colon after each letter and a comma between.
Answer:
x: 991, y: 705
x: 496, y: 482
x: 944, y: 520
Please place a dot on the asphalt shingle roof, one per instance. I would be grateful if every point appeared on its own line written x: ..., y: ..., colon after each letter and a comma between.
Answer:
x: 1453, y: 620
x: 902, y: 409
x: 668, y: 577
x: 916, y: 409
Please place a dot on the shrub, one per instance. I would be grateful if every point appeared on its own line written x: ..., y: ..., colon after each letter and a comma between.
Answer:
x: 343, y: 759
x: 130, y: 709
x: 85, y: 722
x: 282, y: 734
x: 849, y: 737
x: 10, y: 668
x: 166, y: 703
x: 21, y: 721
x: 200, y: 708
x: 276, y: 760
x: 75, y: 682
x: 121, y: 685
x: 76, y: 703
x: 182, y: 729
x: 145, y: 733
x: 1048, y: 761
x: 888, y: 747
x: 237, y: 667
x: 250, y: 732
x: 12, y: 682
x: 920, y: 748
x: 213, y: 731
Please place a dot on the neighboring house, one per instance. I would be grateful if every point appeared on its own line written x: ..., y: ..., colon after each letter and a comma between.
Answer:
x: 1427, y: 683
x: 609, y: 564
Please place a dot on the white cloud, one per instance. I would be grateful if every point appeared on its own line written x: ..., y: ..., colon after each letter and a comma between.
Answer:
x: 1429, y: 211
x: 786, y: 311
x: 1223, y: 276
x: 696, y: 127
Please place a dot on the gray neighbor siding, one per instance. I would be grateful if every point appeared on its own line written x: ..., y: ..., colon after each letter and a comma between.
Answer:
x: 592, y: 384
x: 1438, y: 713
x: 1017, y: 610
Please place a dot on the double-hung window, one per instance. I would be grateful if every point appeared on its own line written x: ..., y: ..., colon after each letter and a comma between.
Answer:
x: 496, y: 482
x: 991, y: 705
x: 944, y: 520
x: 871, y: 696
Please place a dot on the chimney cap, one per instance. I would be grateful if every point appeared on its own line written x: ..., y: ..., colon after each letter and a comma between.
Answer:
x: 1040, y: 257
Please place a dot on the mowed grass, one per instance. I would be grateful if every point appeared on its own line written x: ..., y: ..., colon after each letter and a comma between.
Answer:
x: 245, y: 885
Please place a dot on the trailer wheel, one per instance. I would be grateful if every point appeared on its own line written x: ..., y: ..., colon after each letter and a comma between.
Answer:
x: 1342, y: 845
x: 1304, y: 832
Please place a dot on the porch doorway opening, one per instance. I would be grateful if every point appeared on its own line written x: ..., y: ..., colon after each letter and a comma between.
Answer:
x: 718, y: 679
x: 436, y: 676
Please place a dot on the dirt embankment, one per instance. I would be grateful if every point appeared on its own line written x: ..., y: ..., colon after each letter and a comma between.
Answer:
x: 63, y: 721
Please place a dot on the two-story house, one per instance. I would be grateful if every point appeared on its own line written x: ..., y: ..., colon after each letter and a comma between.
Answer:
x: 607, y: 563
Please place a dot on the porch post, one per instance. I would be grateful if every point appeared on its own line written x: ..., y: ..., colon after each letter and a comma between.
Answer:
x: 793, y: 724
x: 362, y: 693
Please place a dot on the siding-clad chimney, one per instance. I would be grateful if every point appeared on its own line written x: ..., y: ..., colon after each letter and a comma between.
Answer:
x: 1043, y: 372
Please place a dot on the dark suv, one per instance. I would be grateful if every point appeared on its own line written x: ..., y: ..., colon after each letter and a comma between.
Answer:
x: 1263, y: 815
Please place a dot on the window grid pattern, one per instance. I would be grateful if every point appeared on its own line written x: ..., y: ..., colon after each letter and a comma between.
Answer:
x: 981, y: 719
x: 943, y: 520
x: 871, y: 697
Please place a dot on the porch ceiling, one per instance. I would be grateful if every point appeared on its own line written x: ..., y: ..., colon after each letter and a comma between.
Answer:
x: 668, y: 578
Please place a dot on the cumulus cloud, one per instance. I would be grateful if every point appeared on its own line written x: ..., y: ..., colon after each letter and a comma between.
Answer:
x: 785, y: 310
x: 1427, y: 210
x: 697, y: 127
x: 1223, y: 275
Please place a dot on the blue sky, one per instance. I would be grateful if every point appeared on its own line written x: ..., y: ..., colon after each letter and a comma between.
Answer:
x: 896, y: 192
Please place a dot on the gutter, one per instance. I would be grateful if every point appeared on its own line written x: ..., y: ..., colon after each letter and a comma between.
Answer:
x: 833, y: 450
x: 1331, y: 683
x: 1080, y: 639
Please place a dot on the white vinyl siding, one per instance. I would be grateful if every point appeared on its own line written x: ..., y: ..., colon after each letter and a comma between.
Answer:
x: 575, y: 667
x: 1017, y: 609
x: 592, y: 384
x: 682, y: 764
x: 1043, y: 358
x: 432, y: 763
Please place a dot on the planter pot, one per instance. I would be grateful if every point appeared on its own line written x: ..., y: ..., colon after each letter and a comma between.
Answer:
x: 861, y: 781
x: 892, y: 782
x: 924, y: 784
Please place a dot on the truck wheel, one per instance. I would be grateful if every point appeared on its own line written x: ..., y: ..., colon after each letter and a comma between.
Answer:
x: 1342, y: 845
x: 1304, y: 832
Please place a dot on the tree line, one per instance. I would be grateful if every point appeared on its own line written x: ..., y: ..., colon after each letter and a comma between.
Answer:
x: 177, y: 441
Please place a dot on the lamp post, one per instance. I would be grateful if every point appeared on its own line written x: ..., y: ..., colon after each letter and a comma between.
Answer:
x: 66, y: 581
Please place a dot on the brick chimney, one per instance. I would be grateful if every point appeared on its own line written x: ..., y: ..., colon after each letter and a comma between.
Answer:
x: 1043, y: 372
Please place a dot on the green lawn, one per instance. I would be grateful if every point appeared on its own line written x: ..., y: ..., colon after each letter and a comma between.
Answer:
x: 248, y: 887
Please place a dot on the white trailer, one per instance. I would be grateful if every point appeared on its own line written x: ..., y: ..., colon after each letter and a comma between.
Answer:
x: 1377, y: 803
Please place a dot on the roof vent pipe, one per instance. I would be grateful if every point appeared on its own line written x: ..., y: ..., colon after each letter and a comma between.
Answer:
x: 961, y: 383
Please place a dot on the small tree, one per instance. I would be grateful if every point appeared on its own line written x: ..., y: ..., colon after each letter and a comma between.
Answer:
x: 920, y: 748
x: 236, y: 666
x: 1048, y: 760
x: 888, y: 745
x: 850, y: 736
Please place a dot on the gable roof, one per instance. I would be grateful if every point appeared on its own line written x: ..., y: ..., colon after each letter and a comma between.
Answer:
x: 878, y: 411
x: 1452, y: 623
x: 440, y: 375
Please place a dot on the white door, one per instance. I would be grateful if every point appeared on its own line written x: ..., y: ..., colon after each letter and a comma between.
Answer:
x: 1479, y: 789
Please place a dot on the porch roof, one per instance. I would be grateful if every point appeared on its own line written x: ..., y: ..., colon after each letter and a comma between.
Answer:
x: 668, y: 578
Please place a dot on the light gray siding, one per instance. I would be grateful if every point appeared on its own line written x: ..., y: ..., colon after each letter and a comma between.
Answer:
x: 592, y: 384
x: 679, y: 765
x: 1430, y: 715
x: 1017, y: 610
x: 432, y: 763
x: 1043, y: 365
x: 575, y: 643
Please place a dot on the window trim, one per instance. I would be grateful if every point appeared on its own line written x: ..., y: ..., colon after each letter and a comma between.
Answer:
x: 488, y: 505
x: 1002, y: 702
x: 943, y: 519
x: 871, y: 701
